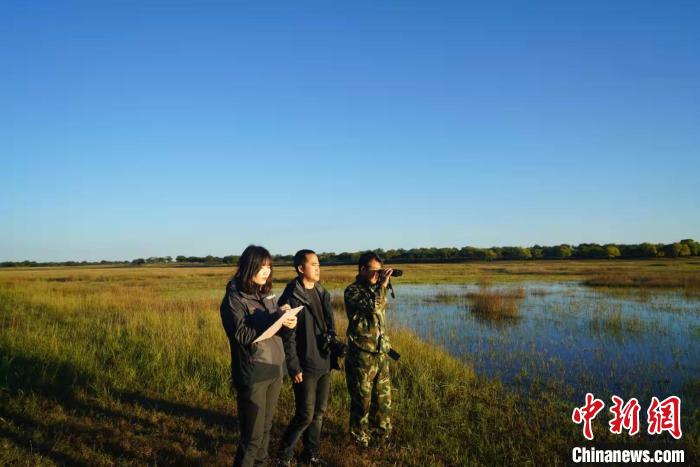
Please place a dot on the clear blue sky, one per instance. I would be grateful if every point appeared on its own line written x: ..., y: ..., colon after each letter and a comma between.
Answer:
x: 137, y: 129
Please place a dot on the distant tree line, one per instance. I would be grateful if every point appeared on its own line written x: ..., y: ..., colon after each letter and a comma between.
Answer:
x: 687, y: 247
x: 104, y: 262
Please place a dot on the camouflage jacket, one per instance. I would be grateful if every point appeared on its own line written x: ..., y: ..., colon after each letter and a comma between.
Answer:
x: 366, y: 310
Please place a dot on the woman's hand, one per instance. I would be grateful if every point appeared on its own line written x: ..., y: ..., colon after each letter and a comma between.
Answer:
x: 298, y: 378
x: 290, y: 322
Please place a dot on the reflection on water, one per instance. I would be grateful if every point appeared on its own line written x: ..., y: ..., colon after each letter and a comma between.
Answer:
x: 567, y: 336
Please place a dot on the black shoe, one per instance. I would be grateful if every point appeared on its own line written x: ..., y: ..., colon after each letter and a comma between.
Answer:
x: 313, y: 459
x: 382, y: 441
x: 279, y: 462
x: 361, y: 443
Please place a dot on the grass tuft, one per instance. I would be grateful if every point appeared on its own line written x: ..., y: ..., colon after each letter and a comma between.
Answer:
x: 496, y: 303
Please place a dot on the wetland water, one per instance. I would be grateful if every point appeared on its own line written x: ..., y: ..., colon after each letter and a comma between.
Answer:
x: 568, y: 337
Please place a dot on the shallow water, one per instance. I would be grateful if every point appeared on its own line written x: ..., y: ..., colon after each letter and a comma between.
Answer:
x: 569, y: 337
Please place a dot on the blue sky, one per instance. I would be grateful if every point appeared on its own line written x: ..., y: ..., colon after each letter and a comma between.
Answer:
x: 135, y: 129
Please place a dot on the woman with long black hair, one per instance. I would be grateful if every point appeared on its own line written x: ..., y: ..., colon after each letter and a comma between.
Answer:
x: 247, y: 310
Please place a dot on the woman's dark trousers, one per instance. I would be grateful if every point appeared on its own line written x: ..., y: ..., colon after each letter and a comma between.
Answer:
x: 256, y: 407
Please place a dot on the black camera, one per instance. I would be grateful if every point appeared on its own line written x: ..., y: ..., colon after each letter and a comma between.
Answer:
x: 394, y: 355
x: 329, y: 344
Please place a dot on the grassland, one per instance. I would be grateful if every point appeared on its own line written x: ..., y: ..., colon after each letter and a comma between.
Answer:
x: 104, y: 366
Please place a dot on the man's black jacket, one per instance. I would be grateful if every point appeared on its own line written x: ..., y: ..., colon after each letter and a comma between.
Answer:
x: 310, y: 327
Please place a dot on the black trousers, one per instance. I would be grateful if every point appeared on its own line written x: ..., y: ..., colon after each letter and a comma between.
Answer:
x: 256, y: 407
x: 311, y: 396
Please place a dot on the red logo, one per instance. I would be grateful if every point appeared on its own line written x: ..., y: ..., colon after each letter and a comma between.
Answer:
x: 665, y: 416
x: 661, y: 416
x: 587, y: 413
x: 625, y: 416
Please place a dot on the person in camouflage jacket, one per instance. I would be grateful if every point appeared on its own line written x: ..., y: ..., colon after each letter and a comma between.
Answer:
x: 367, y: 363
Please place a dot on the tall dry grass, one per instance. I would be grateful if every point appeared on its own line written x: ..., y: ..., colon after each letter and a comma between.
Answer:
x: 685, y: 281
x: 496, y: 303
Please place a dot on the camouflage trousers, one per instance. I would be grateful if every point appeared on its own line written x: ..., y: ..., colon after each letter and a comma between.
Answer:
x: 369, y: 385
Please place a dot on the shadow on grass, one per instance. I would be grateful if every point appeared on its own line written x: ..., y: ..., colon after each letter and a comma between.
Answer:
x: 31, y: 449
x: 48, y: 408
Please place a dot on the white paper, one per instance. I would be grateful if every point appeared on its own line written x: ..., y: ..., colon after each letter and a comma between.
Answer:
x: 272, y: 330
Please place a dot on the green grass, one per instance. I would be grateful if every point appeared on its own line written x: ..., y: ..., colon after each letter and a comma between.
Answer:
x: 130, y: 365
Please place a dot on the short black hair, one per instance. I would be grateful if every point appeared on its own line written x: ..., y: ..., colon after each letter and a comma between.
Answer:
x: 300, y: 258
x: 366, y: 257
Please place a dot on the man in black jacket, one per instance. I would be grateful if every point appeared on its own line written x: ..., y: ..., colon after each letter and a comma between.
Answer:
x: 310, y: 366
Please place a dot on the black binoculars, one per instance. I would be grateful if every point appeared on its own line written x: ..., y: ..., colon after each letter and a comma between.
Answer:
x: 394, y: 272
